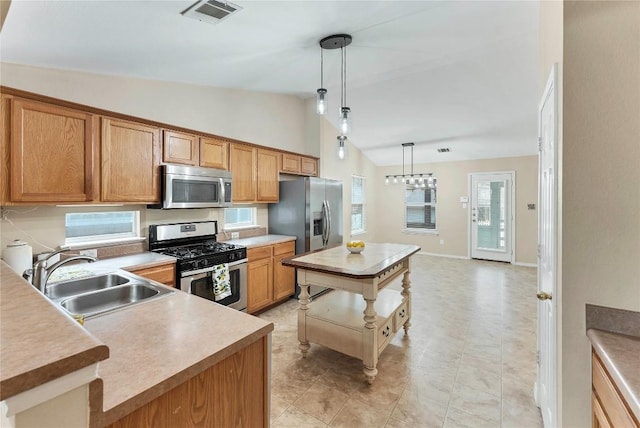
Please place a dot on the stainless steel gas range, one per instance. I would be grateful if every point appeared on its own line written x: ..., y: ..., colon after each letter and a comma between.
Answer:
x: 201, y: 259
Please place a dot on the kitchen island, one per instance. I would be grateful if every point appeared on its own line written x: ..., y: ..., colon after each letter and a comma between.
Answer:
x: 336, y: 320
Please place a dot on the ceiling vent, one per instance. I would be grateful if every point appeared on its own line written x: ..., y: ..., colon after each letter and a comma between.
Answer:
x: 444, y: 150
x: 211, y: 11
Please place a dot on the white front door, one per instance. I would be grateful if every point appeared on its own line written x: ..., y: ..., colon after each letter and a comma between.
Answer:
x: 492, y: 216
x: 545, y: 388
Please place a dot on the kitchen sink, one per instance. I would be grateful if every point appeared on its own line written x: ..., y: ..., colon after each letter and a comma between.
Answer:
x: 71, y: 288
x: 112, y: 298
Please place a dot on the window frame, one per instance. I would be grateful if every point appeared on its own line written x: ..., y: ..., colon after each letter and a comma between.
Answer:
x: 434, y: 204
x: 240, y: 225
x: 103, y: 238
x: 363, y: 204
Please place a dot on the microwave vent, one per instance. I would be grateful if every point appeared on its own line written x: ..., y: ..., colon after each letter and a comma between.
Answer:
x: 211, y: 11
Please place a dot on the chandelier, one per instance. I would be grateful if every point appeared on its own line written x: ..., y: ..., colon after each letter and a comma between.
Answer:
x: 417, y: 180
x: 336, y: 41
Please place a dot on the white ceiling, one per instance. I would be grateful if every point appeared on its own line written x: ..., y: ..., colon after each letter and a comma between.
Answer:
x: 456, y: 74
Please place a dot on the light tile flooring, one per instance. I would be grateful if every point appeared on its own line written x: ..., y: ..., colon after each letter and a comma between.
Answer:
x: 468, y: 361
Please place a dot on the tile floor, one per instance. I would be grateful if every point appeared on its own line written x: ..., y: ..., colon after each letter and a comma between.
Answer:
x: 468, y: 361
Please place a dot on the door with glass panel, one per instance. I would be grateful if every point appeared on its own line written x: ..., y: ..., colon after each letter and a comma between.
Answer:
x: 492, y: 216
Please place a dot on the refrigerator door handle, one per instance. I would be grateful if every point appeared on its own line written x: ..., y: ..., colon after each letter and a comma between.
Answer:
x: 328, y: 222
x: 324, y: 224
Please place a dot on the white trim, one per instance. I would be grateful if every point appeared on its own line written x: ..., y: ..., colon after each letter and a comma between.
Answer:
x: 103, y: 243
x: 513, y: 210
x: 359, y: 232
x: 448, y: 256
x: 48, y: 391
x: 535, y: 265
x: 416, y: 231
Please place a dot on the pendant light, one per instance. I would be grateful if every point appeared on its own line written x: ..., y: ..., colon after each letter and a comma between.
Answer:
x: 344, y: 120
x: 341, y: 147
x: 411, y: 180
x: 321, y: 101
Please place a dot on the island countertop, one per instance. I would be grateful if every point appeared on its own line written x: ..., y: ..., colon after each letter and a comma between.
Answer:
x: 375, y: 259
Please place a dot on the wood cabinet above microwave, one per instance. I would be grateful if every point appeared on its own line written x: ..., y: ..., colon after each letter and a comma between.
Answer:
x: 191, y: 149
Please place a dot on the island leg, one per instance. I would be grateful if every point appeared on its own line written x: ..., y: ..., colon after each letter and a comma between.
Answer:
x: 370, y: 349
x: 302, y: 319
x: 406, y: 295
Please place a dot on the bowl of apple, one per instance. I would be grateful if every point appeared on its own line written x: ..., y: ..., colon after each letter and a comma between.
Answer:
x: 355, y: 247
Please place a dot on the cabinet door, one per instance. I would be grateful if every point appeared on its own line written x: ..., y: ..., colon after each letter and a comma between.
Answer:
x: 130, y: 162
x: 268, y: 186
x: 283, y: 278
x: 52, y: 153
x: 164, y: 274
x: 180, y: 148
x: 242, y: 164
x: 5, y: 136
x: 290, y: 163
x: 259, y: 284
x: 309, y: 166
x: 214, y: 153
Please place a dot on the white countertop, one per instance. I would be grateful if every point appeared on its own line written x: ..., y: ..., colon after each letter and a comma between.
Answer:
x: 262, y: 240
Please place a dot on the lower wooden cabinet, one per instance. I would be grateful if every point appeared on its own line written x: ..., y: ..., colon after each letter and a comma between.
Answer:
x: 164, y: 274
x: 232, y: 393
x: 608, y: 407
x: 268, y: 281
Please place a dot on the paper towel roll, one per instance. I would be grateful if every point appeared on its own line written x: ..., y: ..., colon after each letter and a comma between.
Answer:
x: 18, y: 255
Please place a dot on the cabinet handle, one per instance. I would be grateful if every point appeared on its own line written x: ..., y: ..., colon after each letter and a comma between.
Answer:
x: 385, y: 332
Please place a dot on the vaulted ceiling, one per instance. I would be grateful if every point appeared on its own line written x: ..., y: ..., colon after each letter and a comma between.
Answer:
x: 454, y: 74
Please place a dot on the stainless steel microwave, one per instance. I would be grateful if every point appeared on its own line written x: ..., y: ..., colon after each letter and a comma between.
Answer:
x: 194, y: 187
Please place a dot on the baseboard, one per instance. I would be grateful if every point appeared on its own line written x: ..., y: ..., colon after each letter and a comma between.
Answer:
x: 525, y: 264
x: 449, y: 256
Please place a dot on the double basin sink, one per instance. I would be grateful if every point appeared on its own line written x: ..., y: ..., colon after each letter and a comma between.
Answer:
x: 96, y: 295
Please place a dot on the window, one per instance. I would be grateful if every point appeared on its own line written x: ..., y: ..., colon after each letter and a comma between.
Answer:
x: 238, y: 218
x: 420, y: 208
x: 101, y: 226
x: 357, y: 205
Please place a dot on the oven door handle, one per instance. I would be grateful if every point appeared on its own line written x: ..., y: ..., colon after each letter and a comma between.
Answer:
x: 200, y: 273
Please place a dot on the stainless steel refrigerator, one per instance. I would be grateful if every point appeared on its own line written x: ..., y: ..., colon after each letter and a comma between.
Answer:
x: 310, y: 209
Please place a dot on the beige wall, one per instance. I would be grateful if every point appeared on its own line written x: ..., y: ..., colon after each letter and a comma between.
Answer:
x: 600, y: 180
x: 452, y: 218
x: 258, y: 117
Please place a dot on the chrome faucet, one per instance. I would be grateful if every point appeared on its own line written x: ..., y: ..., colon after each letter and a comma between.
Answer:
x: 40, y: 273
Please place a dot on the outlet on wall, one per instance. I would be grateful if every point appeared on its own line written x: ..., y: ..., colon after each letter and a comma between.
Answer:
x: 90, y: 253
x: 442, y: 242
x: 235, y: 235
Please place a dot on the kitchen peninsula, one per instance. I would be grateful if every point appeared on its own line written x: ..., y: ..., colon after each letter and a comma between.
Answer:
x: 174, y: 361
x: 335, y: 320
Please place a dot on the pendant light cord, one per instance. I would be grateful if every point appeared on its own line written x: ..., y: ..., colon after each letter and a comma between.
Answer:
x: 342, y: 77
x: 321, y: 68
x: 344, y: 61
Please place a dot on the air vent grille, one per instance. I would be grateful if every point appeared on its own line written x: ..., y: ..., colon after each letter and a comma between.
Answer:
x: 211, y: 11
x: 444, y: 150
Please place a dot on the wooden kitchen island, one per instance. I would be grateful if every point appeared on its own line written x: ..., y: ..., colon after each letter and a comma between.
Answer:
x: 360, y: 317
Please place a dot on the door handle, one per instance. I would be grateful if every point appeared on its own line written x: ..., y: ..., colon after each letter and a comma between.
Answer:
x: 328, y: 222
x: 541, y: 295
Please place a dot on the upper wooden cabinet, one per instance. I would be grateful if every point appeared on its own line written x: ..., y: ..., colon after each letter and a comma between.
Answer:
x: 130, y: 162
x: 190, y: 149
x: 51, y: 153
x: 255, y: 174
x: 308, y: 166
x: 242, y: 164
x: 296, y: 164
x: 214, y: 153
x: 180, y: 148
x: 267, y: 174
